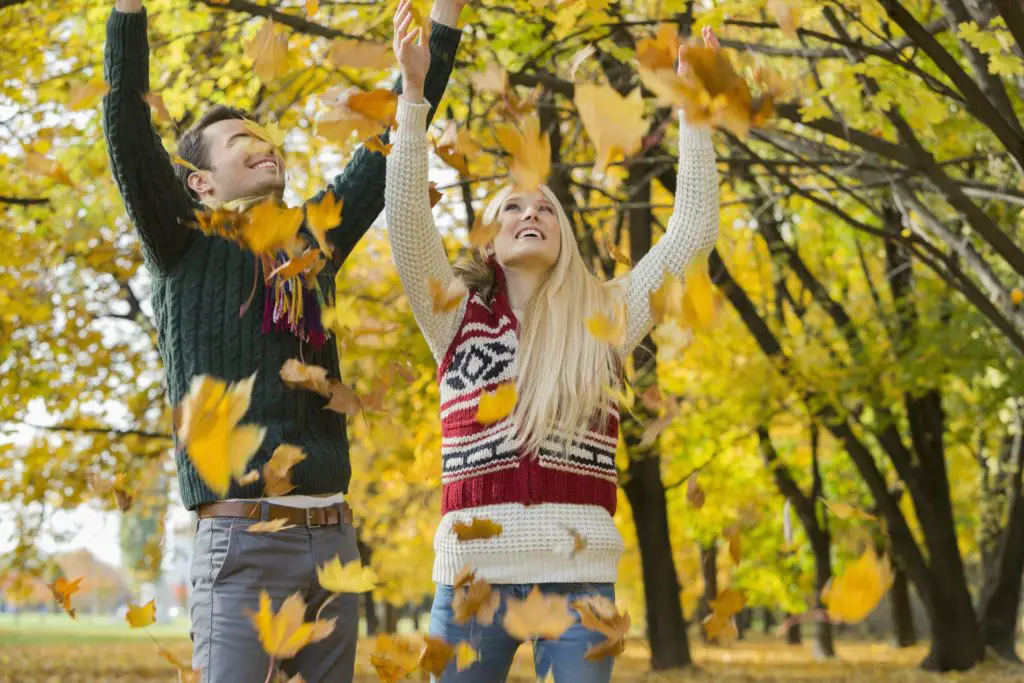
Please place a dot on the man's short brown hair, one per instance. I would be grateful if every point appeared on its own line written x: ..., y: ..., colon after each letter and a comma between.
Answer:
x: 192, y: 146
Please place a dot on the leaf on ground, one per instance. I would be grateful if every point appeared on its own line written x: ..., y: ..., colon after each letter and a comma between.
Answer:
x: 446, y: 299
x: 285, y: 632
x: 540, y: 615
x: 62, y: 590
x: 394, y: 658
x: 496, y: 405
x: 268, y: 51
x: 141, y: 616
x: 360, y: 54
x: 351, y: 577
x: 476, y: 529
x: 435, y: 656
x: 277, y: 475
x: 209, y: 431
x: 853, y: 595
x: 615, y: 124
x: 269, y: 526
x: 530, y: 151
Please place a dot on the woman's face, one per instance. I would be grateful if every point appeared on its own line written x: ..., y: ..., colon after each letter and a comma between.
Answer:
x: 529, y: 235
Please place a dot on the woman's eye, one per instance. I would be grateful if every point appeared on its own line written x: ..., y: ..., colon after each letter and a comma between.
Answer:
x: 509, y: 207
x: 548, y: 209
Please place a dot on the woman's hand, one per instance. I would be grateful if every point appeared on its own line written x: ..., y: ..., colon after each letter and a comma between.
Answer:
x: 710, y: 40
x: 413, y: 53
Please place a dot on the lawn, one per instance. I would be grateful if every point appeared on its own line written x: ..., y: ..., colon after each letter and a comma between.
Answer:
x: 38, y: 649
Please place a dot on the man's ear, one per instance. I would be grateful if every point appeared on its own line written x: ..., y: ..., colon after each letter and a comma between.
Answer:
x: 200, y: 182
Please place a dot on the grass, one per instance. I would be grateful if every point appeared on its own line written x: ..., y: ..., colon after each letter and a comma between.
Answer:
x: 45, y: 648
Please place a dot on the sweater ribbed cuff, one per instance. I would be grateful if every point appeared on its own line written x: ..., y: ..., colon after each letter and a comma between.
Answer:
x: 127, y: 50
x: 693, y: 137
x: 411, y: 119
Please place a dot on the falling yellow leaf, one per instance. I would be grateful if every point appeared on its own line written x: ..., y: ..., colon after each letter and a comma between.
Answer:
x: 360, y: 54
x: 1016, y: 296
x: 446, y: 299
x: 85, y: 95
x: 720, y: 628
x: 530, y: 151
x: 250, y: 477
x: 285, y: 633
x: 598, y: 613
x: 38, y: 164
x: 481, y: 235
x: 268, y: 51
x: 141, y: 617
x: 435, y: 656
x: 375, y: 144
x: 732, y: 535
x: 615, y: 124
x: 343, y: 399
x: 394, y: 658
x: 351, y: 577
x: 62, y: 590
x: 307, y: 262
x: 476, y: 529
x: 661, y: 51
x: 187, y: 164
x: 582, y: 55
x: 270, y: 227
x: 785, y: 15
x: 694, y: 493
x: 579, y: 542
x: 465, y: 655
x: 434, y: 194
x: 728, y: 602
x: 845, y: 511
x: 538, y: 616
x: 701, y: 300
x: 855, y: 594
x: 312, y: 7
x: 368, y: 113
x: 270, y: 133
x: 322, y: 217
x: 209, y: 430
x: 269, y: 526
x: 474, y: 599
x: 611, y: 329
x: 667, y: 300
x: 159, y: 108
x: 496, y: 405
x: 492, y: 79
x: 277, y: 476
x: 453, y: 158
x: 297, y: 375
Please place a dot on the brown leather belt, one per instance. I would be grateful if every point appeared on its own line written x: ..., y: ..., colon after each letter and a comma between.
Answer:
x: 308, y: 517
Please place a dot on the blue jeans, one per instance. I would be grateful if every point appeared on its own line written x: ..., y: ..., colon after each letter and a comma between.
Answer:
x: 497, y: 648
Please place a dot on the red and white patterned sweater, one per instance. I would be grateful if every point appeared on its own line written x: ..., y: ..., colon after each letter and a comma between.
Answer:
x: 542, y: 500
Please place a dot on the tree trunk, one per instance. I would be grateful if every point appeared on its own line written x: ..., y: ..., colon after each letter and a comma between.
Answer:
x: 767, y: 620
x: 742, y: 622
x: 822, y: 645
x: 709, y: 571
x: 793, y: 634
x: 370, y: 613
x: 904, y: 633
x: 390, y: 618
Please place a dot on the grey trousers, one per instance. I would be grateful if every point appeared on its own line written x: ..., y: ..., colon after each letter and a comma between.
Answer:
x: 230, y: 567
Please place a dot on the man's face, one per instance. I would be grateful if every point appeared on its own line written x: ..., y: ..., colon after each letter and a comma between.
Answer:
x: 241, y: 165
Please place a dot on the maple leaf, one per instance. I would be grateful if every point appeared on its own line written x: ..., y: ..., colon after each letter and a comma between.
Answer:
x: 614, y: 123
x: 435, y: 656
x: 359, y: 54
x: 186, y: 674
x: 434, y: 194
x: 855, y: 594
x: 141, y: 617
x: 351, y: 577
x: 667, y: 300
x: 38, y: 164
x: 465, y: 655
x: 659, y: 52
x: 609, y: 328
x: 728, y: 602
x: 160, y: 112
x: 475, y: 599
x: 269, y: 526
x: 845, y: 511
x: 598, y: 613
x: 655, y: 427
x: 481, y: 235
x: 701, y: 300
x: 538, y: 616
x: 270, y: 227
x: 297, y: 375
x: 530, y: 151
x: 477, y: 529
x: 310, y: 261
x: 579, y: 541
x: 732, y: 535
x: 85, y: 95
x: 343, y: 399
x: 284, y: 633
x: 496, y: 405
x: 277, y: 478
x: 62, y: 590
x: 312, y: 7
x: 785, y: 15
x: 367, y: 113
x: 446, y: 299
x: 494, y: 78
x: 720, y: 628
x: 374, y: 143
x: 394, y: 658
x: 453, y: 158
x: 322, y: 217
x: 268, y: 51
x: 271, y: 133
x: 616, y: 253
x: 250, y: 477
x: 218, y: 448
x: 694, y: 493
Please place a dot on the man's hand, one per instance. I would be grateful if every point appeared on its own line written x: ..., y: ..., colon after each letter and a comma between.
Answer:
x: 413, y: 53
x: 131, y: 6
x: 447, y: 12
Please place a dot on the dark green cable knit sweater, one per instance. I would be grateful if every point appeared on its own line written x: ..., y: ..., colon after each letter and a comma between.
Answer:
x: 200, y: 282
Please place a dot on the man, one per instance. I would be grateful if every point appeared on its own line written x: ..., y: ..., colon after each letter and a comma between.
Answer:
x: 200, y: 283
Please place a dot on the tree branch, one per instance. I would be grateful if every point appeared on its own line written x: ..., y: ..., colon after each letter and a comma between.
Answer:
x: 290, y: 20
x: 23, y: 201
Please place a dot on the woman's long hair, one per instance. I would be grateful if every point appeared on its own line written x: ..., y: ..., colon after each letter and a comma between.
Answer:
x: 563, y: 372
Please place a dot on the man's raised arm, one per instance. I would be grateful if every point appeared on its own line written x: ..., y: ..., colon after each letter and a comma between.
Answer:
x: 361, y: 184
x: 153, y: 196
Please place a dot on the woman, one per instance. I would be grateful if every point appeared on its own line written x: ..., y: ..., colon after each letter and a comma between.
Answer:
x: 546, y: 473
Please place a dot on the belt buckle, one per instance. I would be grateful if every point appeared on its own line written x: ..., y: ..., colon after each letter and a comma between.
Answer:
x: 309, y: 519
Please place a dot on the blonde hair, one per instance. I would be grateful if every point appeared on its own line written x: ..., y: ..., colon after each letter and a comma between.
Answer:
x: 564, y: 372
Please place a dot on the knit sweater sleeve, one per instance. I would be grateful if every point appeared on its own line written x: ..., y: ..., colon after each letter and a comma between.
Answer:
x: 361, y: 184
x: 154, y: 198
x: 416, y: 245
x: 691, y: 234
